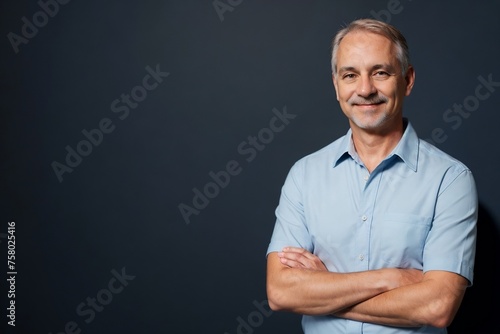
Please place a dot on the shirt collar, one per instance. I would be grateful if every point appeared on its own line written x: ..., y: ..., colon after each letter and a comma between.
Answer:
x: 346, y: 149
x: 406, y: 150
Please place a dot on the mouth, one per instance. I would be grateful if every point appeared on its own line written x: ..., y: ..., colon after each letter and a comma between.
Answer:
x: 367, y: 105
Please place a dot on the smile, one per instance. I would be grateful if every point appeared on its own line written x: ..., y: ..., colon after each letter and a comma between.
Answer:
x: 371, y: 105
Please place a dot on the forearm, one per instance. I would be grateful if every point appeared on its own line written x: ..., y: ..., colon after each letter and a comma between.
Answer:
x: 433, y: 302
x: 399, y: 307
x: 315, y: 292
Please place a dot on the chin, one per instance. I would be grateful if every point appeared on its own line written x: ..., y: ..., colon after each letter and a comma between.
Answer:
x: 370, y: 123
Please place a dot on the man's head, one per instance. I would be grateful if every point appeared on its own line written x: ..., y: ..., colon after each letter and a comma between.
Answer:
x: 372, y: 75
x: 379, y: 28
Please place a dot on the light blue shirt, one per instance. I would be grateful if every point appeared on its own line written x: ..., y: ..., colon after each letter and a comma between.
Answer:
x: 417, y: 209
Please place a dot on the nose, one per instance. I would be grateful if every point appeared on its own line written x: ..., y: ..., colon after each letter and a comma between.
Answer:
x: 365, y: 86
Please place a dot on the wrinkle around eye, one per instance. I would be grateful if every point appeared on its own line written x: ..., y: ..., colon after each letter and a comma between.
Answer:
x: 381, y: 75
x: 349, y: 77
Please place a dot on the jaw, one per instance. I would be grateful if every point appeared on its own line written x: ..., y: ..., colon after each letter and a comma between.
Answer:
x: 374, y: 118
x: 368, y: 114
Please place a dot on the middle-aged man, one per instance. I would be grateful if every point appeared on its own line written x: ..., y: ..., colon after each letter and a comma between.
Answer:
x: 376, y: 232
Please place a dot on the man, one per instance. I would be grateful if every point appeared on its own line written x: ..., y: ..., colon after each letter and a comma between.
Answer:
x: 376, y: 232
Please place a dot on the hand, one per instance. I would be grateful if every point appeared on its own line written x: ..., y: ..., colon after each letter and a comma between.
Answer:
x: 400, y: 277
x: 295, y: 257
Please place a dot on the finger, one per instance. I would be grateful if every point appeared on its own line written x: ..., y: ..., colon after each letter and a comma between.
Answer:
x: 301, y: 251
x: 294, y: 249
x: 299, y: 259
x: 295, y: 256
x: 291, y: 259
x: 291, y: 263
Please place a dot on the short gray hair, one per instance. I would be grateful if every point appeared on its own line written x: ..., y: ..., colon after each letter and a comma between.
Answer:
x: 379, y: 28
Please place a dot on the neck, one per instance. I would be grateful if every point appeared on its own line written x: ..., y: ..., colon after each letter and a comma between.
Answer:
x: 373, y: 147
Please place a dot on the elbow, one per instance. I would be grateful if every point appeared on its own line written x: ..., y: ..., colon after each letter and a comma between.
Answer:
x: 280, y: 294
x: 441, y: 322
x: 276, y: 298
x: 444, y: 300
x: 444, y: 320
x: 441, y: 315
x: 274, y: 305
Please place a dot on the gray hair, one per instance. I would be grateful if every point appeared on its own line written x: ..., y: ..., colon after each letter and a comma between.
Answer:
x: 379, y: 28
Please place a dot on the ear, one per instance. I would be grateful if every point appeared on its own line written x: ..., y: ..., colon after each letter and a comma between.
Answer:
x: 336, y: 85
x: 410, y: 79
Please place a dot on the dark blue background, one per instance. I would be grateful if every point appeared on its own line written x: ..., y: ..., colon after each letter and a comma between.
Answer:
x: 118, y: 208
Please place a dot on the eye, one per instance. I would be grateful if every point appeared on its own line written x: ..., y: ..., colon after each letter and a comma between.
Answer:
x: 349, y: 76
x: 381, y: 74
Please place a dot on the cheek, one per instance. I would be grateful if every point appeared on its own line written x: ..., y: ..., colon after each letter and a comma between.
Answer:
x: 344, y: 94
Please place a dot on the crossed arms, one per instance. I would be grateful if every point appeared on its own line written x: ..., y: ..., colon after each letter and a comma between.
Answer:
x: 299, y: 282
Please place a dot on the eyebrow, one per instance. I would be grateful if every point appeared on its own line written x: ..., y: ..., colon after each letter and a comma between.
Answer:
x: 346, y: 69
x: 387, y: 67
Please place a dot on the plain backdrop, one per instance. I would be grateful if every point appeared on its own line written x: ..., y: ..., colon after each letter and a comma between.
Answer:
x: 161, y: 101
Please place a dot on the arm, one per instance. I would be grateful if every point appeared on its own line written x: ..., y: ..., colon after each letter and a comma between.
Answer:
x: 448, y: 264
x: 387, y: 296
x: 297, y: 281
x: 414, y: 302
x: 434, y: 301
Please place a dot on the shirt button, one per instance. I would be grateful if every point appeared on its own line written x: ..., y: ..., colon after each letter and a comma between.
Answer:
x: 366, y: 177
x: 364, y: 218
x: 361, y: 257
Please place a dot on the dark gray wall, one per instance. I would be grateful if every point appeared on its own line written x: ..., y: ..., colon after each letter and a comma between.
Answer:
x: 222, y: 77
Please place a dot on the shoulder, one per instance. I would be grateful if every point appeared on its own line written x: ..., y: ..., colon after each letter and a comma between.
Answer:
x: 325, y: 155
x: 432, y: 155
x: 315, y: 164
x: 435, y: 163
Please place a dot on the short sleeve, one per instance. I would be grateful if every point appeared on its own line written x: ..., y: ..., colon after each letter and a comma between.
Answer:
x: 290, y: 226
x: 451, y: 242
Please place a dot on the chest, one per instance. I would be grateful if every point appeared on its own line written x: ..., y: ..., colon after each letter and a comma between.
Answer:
x: 362, y: 221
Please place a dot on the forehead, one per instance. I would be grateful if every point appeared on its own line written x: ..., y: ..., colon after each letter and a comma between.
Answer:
x: 364, y: 45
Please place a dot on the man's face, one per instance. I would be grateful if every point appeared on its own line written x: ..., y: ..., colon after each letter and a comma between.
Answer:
x: 369, y: 83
